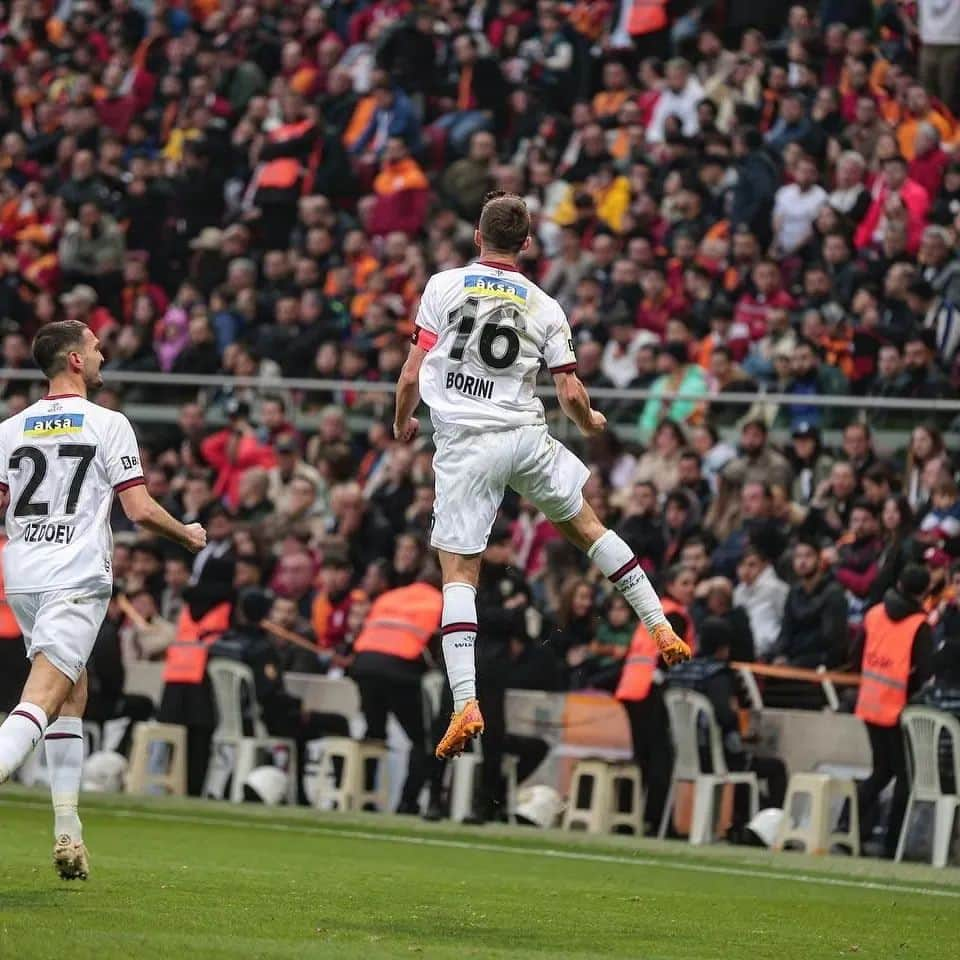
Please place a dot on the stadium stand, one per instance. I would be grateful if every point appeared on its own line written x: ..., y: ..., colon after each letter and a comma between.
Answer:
x: 750, y: 212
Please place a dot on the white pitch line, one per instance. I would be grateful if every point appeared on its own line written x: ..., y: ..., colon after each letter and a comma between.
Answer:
x: 550, y: 852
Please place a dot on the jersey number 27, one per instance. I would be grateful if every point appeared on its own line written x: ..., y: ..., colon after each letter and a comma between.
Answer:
x: 83, y: 453
x: 499, y: 341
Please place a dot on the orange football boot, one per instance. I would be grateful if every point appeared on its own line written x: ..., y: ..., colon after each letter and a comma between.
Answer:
x: 671, y: 647
x: 464, y: 725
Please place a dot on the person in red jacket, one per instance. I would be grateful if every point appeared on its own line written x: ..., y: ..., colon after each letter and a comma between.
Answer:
x: 768, y: 294
x: 895, y: 196
x: 929, y: 159
x: 234, y: 450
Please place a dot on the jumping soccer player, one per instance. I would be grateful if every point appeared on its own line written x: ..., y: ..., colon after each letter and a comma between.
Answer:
x: 61, y: 461
x: 480, y: 336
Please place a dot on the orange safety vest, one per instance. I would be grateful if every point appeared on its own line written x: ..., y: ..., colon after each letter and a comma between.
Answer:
x: 186, y: 660
x: 689, y: 635
x: 638, y: 667
x: 886, y: 666
x: 401, y: 622
x: 647, y: 16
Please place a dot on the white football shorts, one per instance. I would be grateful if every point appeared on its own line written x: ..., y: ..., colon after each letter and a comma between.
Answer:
x: 474, y: 469
x: 61, y: 624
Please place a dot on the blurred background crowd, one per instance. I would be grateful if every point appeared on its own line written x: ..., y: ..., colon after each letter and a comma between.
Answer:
x: 727, y: 198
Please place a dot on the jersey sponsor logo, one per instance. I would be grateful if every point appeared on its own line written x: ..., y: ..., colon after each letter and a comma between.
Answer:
x: 493, y: 287
x: 471, y: 386
x: 53, y: 425
x: 48, y: 533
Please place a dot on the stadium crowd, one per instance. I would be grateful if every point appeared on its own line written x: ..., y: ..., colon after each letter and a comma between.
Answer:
x: 726, y: 197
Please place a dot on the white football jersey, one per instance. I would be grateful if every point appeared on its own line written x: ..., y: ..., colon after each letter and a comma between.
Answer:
x: 61, y: 460
x: 486, y: 330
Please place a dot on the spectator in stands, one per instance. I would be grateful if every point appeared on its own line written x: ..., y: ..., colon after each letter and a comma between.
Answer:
x: 926, y: 446
x: 641, y: 525
x: 858, y: 559
x: 811, y: 377
x: 758, y: 460
x: 899, y: 547
x: 897, y: 660
x: 814, y: 629
x: 677, y: 375
x: 924, y: 380
x: 234, y: 450
x: 763, y: 595
x: 810, y: 462
x: 898, y: 198
x: 679, y: 98
x: 468, y: 180
x: 834, y: 499
x: 796, y: 207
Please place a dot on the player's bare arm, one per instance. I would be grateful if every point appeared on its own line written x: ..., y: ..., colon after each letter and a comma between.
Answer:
x: 405, y: 425
x: 575, y: 403
x: 142, y: 509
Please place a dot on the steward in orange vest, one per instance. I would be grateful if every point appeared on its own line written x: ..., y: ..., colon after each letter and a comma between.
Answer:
x: 649, y: 725
x: 897, y: 661
x: 401, y: 622
x: 647, y: 16
x: 187, y: 695
x: 388, y: 667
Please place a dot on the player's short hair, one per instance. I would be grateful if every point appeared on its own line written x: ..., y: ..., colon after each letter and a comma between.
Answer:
x: 52, y: 344
x: 504, y: 222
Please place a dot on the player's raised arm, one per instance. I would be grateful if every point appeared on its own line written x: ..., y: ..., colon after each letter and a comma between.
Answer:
x: 575, y: 403
x: 142, y: 509
x: 405, y: 425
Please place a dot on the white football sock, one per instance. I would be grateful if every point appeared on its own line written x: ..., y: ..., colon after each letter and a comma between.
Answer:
x: 618, y: 564
x: 64, y: 745
x: 458, y: 627
x: 19, y: 734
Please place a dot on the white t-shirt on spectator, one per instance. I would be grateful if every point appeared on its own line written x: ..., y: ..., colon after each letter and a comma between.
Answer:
x: 797, y: 209
x: 939, y: 22
x: 682, y: 105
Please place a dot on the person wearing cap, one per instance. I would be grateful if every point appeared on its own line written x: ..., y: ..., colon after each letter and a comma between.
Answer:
x: 677, y: 375
x: 290, y: 465
x: 895, y: 662
x: 810, y: 462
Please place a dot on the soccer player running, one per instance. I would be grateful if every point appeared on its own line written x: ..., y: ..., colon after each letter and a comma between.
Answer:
x: 61, y: 461
x: 480, y: 336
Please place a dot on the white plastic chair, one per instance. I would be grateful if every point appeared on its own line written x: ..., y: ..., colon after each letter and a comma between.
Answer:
x: 464, y: 771
x: 686, y: 708
x: 228, y: 679
x: 922, y: 727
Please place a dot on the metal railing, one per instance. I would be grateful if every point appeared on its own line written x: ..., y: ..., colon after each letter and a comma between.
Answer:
x: 206, y: 384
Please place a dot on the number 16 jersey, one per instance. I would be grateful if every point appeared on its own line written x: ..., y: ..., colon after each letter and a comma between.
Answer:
x: 61, y: 460
x: 486, y: 330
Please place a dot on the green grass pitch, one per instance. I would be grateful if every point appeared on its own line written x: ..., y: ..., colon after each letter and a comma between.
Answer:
x: 184, y: 879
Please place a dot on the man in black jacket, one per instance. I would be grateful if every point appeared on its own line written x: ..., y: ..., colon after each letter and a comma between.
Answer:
x: 814, y: 630
x: 476, y: 95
